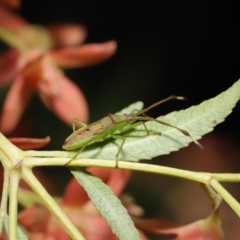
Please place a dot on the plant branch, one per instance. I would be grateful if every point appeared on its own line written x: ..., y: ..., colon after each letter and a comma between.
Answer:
x: 4, y: 199
x: 14, y: 183
x: 233, y: 203
x: 48, y: 201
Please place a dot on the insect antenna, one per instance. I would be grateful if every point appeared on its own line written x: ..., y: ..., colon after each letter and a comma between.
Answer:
x: 158, y: 103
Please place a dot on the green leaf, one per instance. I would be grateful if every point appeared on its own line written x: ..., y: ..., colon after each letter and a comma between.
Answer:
x: 20, y: 233
x: 197, y: 120
x: 107, y: 204
x: 137, y: 105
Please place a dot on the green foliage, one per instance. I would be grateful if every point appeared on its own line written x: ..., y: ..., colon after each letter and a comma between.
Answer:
x: 137, y: 105
x: 107, y: 204
x: 197, y: 120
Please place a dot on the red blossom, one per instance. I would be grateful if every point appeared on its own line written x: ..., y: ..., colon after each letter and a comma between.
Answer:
x: 204, y: 229
x: 67, y: 34
x: 11, y: 3
x: 30, y: 143
x: 35, y: 66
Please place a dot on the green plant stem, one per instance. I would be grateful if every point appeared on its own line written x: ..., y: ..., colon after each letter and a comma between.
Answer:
x: 4, y: 199
x: 233, y: 203
x: 52, y: 154
x: 58, y: 158
x: 42, y: 160
x: 31, y: 162
x: 195, y: 176
x: 48, y: 201
x: 14, y: 183
x: 215, y: 198
x: 205, y: 178
x: 226, y: 177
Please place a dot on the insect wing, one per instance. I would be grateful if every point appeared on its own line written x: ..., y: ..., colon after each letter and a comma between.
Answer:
x: 103, y: 125
x: 78, y: 139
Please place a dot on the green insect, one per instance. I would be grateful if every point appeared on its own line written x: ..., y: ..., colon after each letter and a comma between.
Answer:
x: 111, y: 126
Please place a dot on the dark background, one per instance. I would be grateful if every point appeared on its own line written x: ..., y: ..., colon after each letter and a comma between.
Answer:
x: 189, y: 48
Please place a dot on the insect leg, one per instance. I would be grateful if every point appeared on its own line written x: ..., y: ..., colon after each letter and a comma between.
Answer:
x: 123, y: 138
x: 150, y: 132
x: 74, y: 157
x: 120, y: 148
x: 186, y: 133
x: 76, y: 122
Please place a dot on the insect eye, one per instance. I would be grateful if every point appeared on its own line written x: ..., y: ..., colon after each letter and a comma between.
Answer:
x: 87, y: 130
